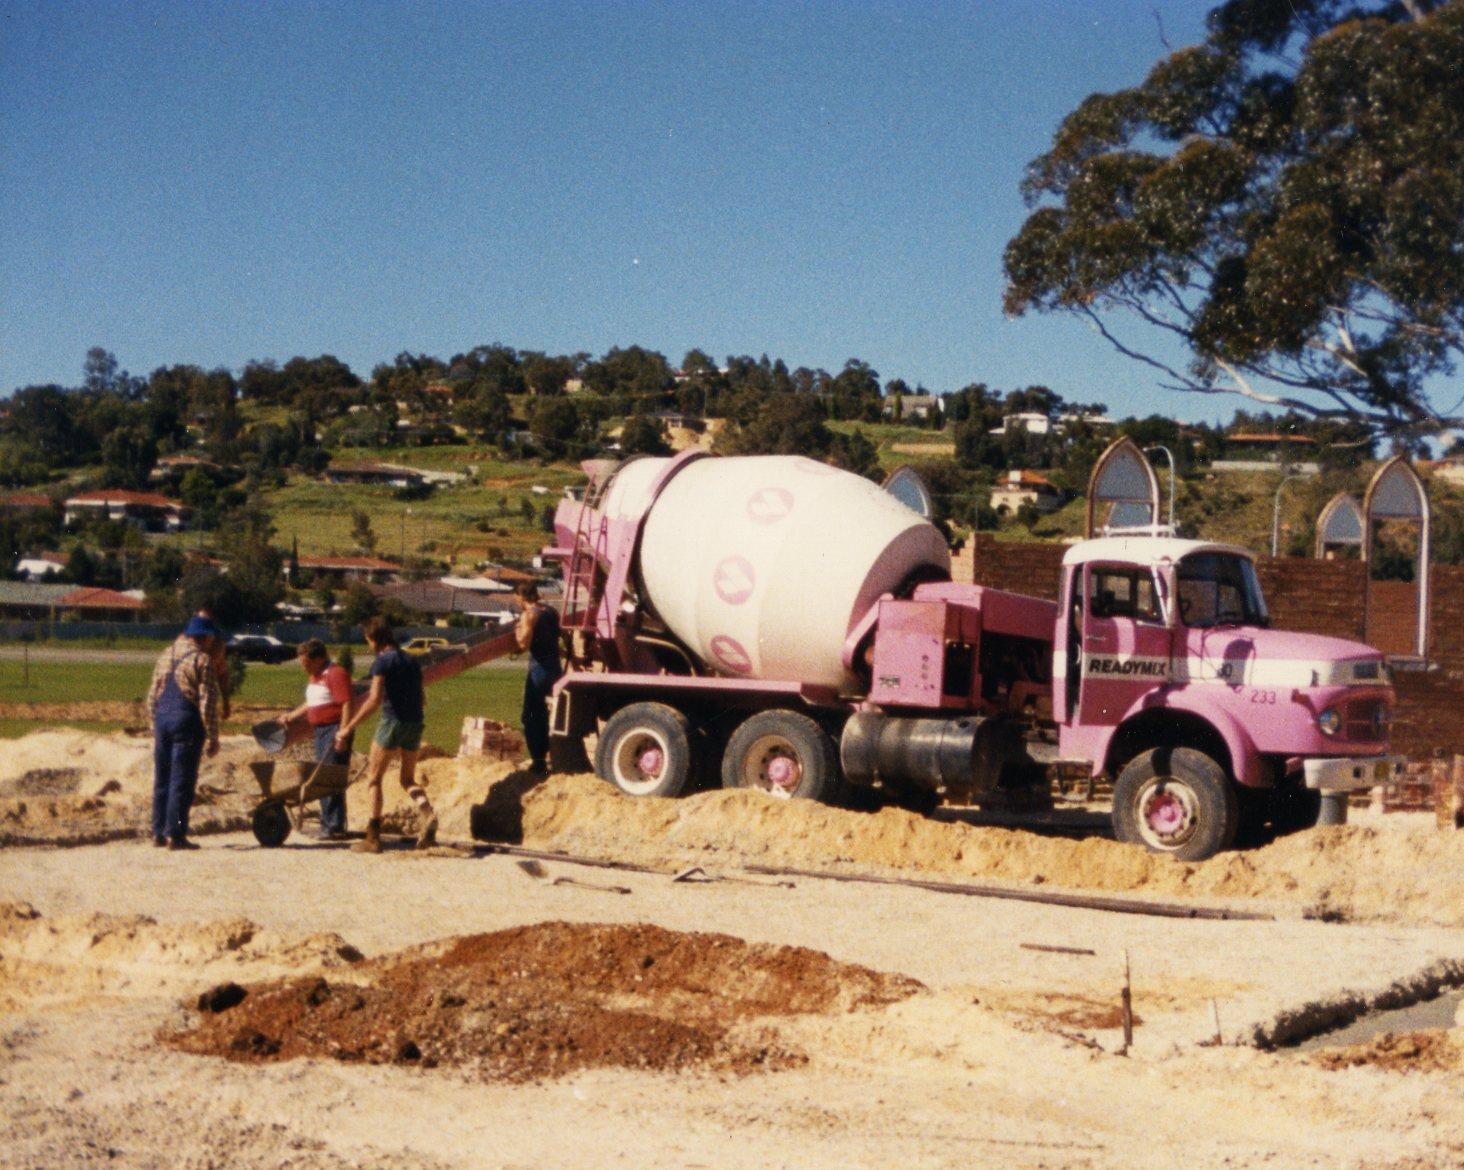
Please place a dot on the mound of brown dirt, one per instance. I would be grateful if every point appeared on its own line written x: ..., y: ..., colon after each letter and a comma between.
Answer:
x: 1352, y: 872
x: 550, y: 999
x: 1430, y: 1050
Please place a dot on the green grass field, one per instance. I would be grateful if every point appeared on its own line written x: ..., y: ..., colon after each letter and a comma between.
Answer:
x: 494, y: 692
x: 457, y: 522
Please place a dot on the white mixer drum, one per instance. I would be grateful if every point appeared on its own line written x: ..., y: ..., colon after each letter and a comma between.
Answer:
x: 763, y: 564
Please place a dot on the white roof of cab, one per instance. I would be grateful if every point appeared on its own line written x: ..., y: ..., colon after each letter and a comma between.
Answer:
x: 1145, y: 550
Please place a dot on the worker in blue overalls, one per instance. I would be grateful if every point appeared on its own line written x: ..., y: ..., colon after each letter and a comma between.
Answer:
x: 538, y: 633
x: 183, y: 707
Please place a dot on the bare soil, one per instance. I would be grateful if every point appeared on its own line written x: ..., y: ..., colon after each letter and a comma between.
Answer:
x: 1432, y: 1050
x: 1350, y: 873
x: 816, y: 1024
x: 546, y: 1001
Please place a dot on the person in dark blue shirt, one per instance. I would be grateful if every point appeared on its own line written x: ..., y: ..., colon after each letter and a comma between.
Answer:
x: 538, y: 633
x: 396, y: 688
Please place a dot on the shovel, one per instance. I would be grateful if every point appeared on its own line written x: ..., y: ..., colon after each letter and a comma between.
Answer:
x: 536, y: 870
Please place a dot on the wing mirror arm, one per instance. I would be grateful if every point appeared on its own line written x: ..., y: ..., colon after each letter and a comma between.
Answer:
x: 1164, y: 580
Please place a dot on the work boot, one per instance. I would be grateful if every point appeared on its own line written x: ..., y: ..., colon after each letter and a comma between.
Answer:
x: 160, y: 842
x: 181, y: 844
x: 371, y: 843
x: 427, y: 835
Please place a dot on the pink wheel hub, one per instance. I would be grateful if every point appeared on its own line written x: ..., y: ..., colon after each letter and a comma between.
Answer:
x: 650, y: 761
x: 784, y: 772
x: 1166, y: 814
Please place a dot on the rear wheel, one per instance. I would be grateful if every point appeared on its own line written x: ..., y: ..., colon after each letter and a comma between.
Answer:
x: 645, y: 749
x: 271, y: 825
x: 1176, y: 801
x: 784, y: 754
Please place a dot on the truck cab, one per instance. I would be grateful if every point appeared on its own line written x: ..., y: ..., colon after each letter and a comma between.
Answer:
x: 1168, y: 677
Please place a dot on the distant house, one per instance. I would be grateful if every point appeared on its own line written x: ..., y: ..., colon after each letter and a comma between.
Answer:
x: 1029, y: 422
x: 380, y: 474
x: 1450, y: 469
x: 1254, y: 451
x: 144, y: 510
x: 27, y: 601
x: 172, y: 468
x: 910, y: 406
x: 344, y: 570
x: 440, y: 599
x: 505, y: 577
x: 37, y: 566
x: 1073, y: 418
x: 25, y: 502
x: 1017, y: 488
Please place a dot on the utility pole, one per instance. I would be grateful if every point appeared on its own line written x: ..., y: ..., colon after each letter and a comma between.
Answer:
x: 1168, y: 454
x: 1276, y: 509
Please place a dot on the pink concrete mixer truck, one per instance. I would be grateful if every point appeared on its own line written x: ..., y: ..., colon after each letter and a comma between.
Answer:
x: 774, y: 623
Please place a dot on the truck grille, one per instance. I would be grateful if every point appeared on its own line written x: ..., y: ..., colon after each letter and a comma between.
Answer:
x: 1365, y: 719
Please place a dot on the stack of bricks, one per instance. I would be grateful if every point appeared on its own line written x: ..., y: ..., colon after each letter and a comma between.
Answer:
x: 1448, y: 792
x: 1411, y: 792
x: 485, y: 737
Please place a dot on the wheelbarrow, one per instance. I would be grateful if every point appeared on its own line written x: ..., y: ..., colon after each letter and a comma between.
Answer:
x: 288, y: 786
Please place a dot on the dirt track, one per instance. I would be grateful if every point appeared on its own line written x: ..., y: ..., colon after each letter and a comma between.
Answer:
x: 1006, y: 1057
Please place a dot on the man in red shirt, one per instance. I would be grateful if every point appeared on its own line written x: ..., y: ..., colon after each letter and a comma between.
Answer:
x: 327, y: 705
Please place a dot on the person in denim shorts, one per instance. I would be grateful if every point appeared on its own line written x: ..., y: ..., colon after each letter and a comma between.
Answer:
x: 396, y: 688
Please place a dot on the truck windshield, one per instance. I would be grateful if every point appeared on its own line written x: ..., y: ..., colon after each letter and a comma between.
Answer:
x: 1220, y: 589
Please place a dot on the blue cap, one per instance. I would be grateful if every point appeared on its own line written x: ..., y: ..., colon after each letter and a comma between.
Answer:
x: 201, y: 627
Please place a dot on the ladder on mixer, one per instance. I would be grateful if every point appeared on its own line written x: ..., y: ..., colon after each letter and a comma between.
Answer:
x: 586, y: 572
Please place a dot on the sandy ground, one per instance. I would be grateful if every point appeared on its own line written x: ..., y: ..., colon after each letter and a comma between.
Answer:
x: 1008, y: 1055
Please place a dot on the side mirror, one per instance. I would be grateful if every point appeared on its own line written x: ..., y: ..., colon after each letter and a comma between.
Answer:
x: 1165, y: 583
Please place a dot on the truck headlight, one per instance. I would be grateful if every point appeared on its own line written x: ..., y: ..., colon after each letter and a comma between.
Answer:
x: 1330, y: 721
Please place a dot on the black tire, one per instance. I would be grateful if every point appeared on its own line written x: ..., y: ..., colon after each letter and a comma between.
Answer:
x: 1176, y: 801
x: 784, y: 754
x: 271, y: 825
x: 645, y: 749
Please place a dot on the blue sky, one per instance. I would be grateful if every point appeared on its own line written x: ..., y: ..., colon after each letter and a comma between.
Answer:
x: 212, y: 183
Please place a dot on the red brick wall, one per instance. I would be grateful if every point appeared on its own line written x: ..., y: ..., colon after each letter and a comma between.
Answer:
x: 1320, y: 597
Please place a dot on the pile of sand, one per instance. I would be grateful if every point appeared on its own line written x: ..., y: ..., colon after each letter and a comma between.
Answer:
x: 546, y: 1000
x: 88, y: 954
x: 1352, y: 872
x: 453, y: 783
x: 66, y: 787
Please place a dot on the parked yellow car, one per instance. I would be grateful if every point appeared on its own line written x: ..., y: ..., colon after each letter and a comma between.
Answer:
x: 428, y: 645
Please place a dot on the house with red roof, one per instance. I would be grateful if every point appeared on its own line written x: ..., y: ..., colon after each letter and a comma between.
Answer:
x: 25, y: 502
x: 145, y: 510
x: 343, y: 570
x: 25, y: 600
x: 1018, y: 488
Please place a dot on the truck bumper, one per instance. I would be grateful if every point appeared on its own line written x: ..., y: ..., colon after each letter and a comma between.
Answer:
x: 1351, y: 773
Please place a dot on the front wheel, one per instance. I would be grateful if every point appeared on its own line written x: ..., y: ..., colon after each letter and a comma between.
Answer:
x: 784, y: 754
x: 1177, y: 801
x: 645, y: 749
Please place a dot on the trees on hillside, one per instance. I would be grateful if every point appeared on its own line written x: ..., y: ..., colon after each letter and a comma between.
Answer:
x: 1286, y: 199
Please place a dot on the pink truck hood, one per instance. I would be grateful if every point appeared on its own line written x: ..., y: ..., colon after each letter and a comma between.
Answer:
x: 1252, y: 656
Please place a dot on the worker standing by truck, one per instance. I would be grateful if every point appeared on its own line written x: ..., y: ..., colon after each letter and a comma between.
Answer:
x: 538, y: 633
x: 183, y: 707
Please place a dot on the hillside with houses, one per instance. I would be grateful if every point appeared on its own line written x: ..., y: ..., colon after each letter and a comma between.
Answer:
x: 302, y: 491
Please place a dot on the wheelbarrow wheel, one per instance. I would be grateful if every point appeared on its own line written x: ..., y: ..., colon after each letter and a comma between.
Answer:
x: 271, y: 825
